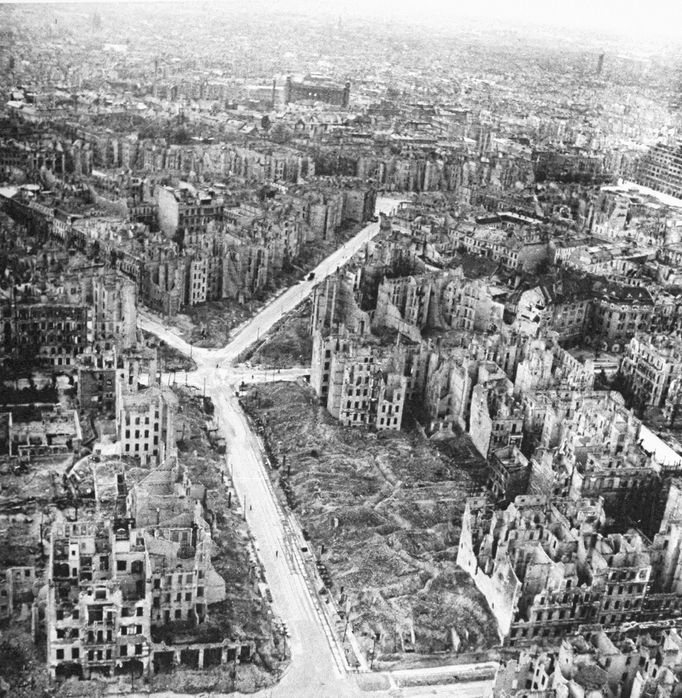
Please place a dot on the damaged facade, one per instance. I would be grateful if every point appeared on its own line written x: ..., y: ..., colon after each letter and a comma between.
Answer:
x: 145, y: 563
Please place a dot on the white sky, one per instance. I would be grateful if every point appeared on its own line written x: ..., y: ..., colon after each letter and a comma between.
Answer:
x: 637, y: 18
x: 629, y: 17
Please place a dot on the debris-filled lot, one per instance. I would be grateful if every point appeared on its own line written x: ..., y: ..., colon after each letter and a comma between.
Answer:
x: 289, y: 343
x: 244, y: 614
x: 170, y: 359
x: 383, y: 511
x: 34, y: 495
x: 211, y: 324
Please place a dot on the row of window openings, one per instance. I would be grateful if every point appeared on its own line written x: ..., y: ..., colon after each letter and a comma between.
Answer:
x: 146, y: 419
x: 178, y: 597
x: 97, y: 655
x: 146, y: 434
x: 145, y: 447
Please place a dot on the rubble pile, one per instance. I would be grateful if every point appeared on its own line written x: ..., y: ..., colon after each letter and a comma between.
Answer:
x: 383, y: 513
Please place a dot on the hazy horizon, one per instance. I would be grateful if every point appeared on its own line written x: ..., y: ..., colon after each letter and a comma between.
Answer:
x: 627, y: 19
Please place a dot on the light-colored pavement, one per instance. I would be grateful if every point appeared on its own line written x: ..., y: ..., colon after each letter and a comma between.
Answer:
x: 317, y: 668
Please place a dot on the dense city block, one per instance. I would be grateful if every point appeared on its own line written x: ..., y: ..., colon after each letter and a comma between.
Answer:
x: 338, y: 354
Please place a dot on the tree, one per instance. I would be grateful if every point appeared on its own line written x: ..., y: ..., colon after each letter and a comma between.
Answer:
x: 281, y: 133
x: 180, y: 136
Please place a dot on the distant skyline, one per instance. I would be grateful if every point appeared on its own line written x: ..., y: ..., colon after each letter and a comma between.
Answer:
x: 644, y: 19
x: 624, y: 17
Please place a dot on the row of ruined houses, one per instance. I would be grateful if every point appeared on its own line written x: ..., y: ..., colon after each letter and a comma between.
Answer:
x: 642, y: 661
x: 235, y: 256
x: 594, y: 537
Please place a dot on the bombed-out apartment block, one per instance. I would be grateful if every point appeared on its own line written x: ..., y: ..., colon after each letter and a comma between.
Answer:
x: 541, y: 364
x: 619, y: 311
x: 98, y: 604
x: 573, y: 306
x: 166, y: 504
x: 335, y: 303
x: 512, y: 240
x: 112, y: 582
x: 17, y: 587
x: 661, y: 167
x: 137, y: 365
x: 445, y: 300
x: 114, y: 299
x: 650, y: 367
x: 524, y: 368
x: 591, y: 446
x: 562, y: 306
x: 351, y: 381
x: 496, y: 415
x: 443, y: 379
x: 478, y: 385
x: 145, y: 422
x: 637, y: 663
x: 185, y: 209
x: 99, y: 372
x: 547, y: 566
x: 91, y: 309
x: 97, y: 380
x: 36, y: 432
x: 46, y: 332
x: 508, y: 473
x: 546, y: 410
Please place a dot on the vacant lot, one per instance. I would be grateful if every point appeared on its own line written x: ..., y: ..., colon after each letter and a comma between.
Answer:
x: 387, y: 509
x: 289, y: 343
x: 170, y: 359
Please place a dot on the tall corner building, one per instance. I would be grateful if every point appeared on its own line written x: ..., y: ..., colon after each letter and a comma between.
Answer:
x: 661, y: 169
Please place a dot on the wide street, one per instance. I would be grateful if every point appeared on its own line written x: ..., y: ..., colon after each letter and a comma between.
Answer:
x: 317, y: 668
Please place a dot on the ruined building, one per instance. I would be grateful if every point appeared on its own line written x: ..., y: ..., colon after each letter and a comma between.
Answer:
x: 351, y: 382
x: 45, y: 332
x: 591, y: 446
x: 496, y: 417
x: 111, y: 583
x: 637, y: 663
x: 99, y: 372
x: 114, y: 311
x: 145, y: 422
x: 661, y: 169
x: 316, y: 89
x: 547, y: 567
x: 650, y: 367
x: 98, y: 604
x: 334, y: 303
x: 40, y: 432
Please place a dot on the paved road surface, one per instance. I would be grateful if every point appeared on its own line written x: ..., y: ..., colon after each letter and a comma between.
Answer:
x: 317, y: 669
x: 281, y: 305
